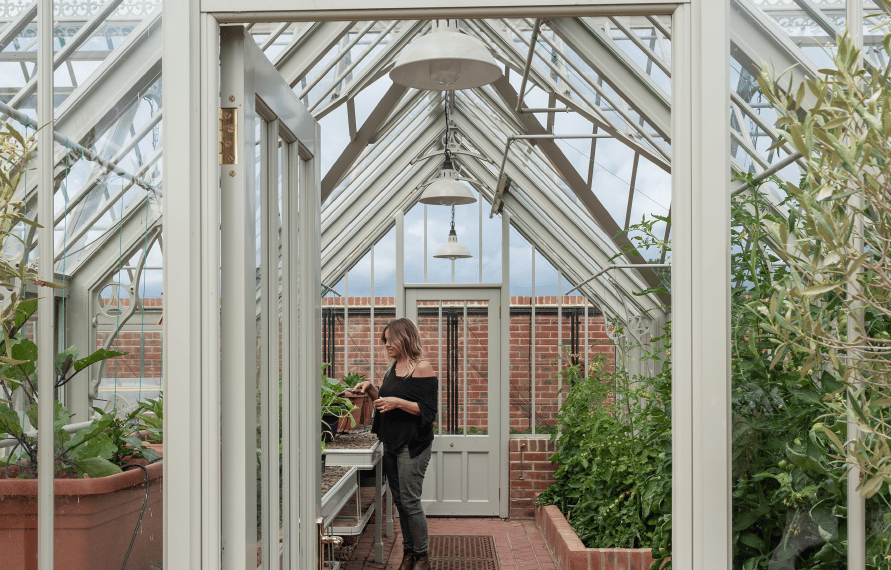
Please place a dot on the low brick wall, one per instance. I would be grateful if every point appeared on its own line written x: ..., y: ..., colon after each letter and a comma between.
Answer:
x: 531, y: 472
x: 571, y: 554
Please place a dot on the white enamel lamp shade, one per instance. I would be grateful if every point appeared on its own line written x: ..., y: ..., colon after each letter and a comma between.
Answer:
x: 446, y: 190
x: 452, y: 249
x: 445, y: 60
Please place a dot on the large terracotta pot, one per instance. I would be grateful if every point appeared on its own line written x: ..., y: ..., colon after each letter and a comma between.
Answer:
x: 95, y: 519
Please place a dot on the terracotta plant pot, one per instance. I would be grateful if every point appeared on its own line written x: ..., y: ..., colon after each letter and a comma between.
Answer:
x: 361, y: 415
x: 95, y: 519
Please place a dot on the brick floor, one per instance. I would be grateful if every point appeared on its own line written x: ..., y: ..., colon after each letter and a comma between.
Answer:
x: 518, y: 543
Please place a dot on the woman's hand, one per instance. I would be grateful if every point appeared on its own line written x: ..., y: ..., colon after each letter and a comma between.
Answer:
x: 366, y: 387
x: 387, y: 404
x: 392, y: 403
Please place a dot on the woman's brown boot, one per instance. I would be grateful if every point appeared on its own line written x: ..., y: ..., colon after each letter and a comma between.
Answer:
x: 407, y: 560
x: 422, y: 563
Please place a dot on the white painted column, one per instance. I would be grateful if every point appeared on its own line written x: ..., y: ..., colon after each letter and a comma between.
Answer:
x: 310, y: 358
x: 856, y: 501
x: 400, y: 264
x: 185, y: 295
x: 238, y: 320
x: 504, y: 389
x: 702, y: 461
x: 46, y: 319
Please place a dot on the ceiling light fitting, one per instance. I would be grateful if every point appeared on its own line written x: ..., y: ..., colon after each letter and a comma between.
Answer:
x: 446, y: 189
x: 445, y: 60
x: 452, y: 249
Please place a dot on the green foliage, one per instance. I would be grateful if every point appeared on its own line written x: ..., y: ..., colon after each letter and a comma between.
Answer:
x: 614, y: 454
x: 333, y: 404
x: 95, y: 449
x: 832, y: 311
x: 151, y: 418
x: 789, y: 496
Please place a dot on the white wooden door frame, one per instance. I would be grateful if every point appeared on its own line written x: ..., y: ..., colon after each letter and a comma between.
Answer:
x: 700, y: 209
x: 494, y: 443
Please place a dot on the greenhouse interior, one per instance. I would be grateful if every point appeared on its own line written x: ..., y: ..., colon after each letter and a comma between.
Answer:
x: 660, y: 338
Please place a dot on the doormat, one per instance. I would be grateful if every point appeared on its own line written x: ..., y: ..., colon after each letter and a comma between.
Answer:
x: 462, y: 552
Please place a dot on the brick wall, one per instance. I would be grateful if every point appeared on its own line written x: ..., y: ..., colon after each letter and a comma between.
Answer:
x: 533, y: 384
x: 531, y: 472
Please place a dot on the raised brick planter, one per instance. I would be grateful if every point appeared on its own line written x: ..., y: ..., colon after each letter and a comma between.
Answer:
x: 571, y: 554
x: 531, y: 473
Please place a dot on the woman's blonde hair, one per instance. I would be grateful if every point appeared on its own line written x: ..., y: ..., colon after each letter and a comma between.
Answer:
x: 404, y: 336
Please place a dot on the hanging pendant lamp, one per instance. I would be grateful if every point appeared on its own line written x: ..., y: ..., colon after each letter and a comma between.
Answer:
x: 452, y: 249
x: 445, y: 60
x: 446, y: 189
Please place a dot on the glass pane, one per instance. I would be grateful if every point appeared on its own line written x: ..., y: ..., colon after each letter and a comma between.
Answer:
x: 385, y: 267
x: 520, y: 265
x: 413, y: 246
x: 438, y: 225
x: 452, y: 378
x: 476, y: 342
x: 521, y: 364
x: 467, y: 226
x: 491, y: 246
x: 432, y: 343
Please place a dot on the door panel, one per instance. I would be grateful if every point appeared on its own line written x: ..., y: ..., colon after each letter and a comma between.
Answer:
x: 460, y: 336
x: 270, y: 213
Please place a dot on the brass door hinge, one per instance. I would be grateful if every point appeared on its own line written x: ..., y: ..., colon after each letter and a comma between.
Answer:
x: 228, y: 135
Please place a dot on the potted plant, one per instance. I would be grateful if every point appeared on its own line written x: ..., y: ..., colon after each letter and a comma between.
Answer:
x: 102, y: 482
x: 334, y: 403
x: 361, y: 413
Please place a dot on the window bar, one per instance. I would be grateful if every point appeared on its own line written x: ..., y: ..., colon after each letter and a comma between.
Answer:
x: 371, y: 317
x: 464, y: 384
x: 439, y: 347
x: 587, y: 339
x: 346, y: 321
x: 559, y: 338
x: 480, y: 240
x: 425, y: 254
x: 532, y: 327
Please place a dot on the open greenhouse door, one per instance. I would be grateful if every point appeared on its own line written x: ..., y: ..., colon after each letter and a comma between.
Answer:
x: 270, y: 227
x: 460, y: 333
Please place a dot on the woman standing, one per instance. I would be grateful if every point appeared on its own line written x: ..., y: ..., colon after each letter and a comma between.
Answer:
x: 406, y: 406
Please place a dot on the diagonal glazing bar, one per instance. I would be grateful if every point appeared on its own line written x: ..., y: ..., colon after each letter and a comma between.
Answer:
x: 635, y: 39
x: 354, y: 149
x: 376, y: 68
x: 308, y: 48
x: 304, y: 91
x: 617, y: 70
x: 17, y: 26
x: 82, y: 35
x: 340, y: 77
x: 572, y: 178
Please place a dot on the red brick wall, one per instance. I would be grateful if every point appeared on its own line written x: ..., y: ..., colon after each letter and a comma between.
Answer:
x: 531, y: 472
x: 530, y: 366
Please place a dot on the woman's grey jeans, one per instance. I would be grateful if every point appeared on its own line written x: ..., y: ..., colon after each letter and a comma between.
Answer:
x: 405, y: 476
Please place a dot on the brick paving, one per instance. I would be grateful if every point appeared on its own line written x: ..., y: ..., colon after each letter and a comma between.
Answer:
x: 518, y: 543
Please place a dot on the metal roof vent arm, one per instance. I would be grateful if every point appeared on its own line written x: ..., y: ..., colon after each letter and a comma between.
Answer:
x: 452, y: 249
x: 445, y: 60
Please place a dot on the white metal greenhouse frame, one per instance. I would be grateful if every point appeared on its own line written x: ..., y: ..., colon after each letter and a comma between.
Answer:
x: 198, y: 527
x: 700, y: 81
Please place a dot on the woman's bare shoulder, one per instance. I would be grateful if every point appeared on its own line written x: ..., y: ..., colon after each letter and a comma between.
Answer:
x: 424, y: 369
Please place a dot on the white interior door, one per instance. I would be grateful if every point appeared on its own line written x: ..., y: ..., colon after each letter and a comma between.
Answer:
x: 270, y: 229
x: 460, y: 334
